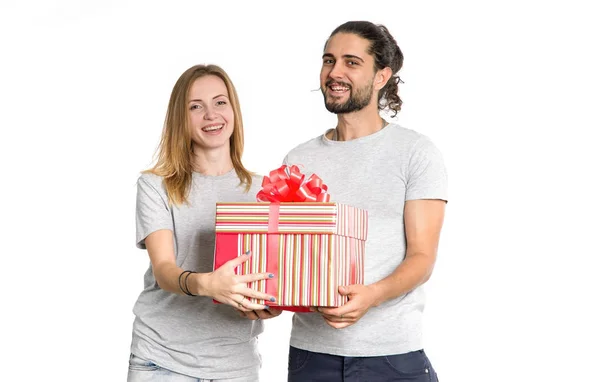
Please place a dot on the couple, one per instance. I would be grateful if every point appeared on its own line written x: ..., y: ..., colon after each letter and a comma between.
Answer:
x: 396, y: 174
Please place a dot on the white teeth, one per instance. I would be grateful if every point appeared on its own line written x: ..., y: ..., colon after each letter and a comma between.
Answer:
x: 338, y: 88
x: 212, y: 128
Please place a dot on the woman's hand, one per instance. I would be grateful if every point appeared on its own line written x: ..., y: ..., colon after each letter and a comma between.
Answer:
x: 228, y: 288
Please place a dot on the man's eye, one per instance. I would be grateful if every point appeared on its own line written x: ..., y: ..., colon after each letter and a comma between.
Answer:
x: 328, y: 61
x: 352, y: 63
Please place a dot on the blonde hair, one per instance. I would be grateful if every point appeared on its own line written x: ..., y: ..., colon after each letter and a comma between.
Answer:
x: 174, y: 162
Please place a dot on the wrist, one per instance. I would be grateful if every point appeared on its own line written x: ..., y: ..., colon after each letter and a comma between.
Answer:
x: 198, y: 284
x: 377, y: 294
x: 183, y: 282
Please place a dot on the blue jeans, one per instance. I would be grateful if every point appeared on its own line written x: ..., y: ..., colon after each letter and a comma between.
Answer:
x: 304, y: 366
x: 141, y: 370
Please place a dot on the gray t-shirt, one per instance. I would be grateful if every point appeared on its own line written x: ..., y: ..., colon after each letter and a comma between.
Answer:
x: 379, y: 173
x: 191, y: 335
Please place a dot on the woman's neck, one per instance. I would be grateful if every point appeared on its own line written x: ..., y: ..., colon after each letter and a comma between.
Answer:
x: 211, y: 162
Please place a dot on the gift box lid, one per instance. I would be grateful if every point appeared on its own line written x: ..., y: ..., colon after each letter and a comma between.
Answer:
x: 292, y: 218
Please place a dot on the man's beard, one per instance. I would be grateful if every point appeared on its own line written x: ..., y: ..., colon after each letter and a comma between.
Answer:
x: 358, y: 100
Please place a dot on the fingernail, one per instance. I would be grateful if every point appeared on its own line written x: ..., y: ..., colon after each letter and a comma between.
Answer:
x: 272, y: 299
x: 271, y: 275
x: 247, y: 253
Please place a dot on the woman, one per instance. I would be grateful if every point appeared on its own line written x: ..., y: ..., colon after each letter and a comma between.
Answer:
x: 179, y: 333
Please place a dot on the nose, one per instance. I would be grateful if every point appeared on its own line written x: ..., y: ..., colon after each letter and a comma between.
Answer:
x: 210, y: 113
x: 336, y: 71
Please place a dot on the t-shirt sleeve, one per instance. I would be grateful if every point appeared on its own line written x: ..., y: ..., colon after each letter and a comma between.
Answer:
x: 152, y: 211
x: 426, y: 173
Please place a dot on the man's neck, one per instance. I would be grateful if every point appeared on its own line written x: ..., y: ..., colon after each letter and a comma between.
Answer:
x: 358, y: 124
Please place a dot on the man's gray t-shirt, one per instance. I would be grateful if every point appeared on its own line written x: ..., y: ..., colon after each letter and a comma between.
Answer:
x: 191, y: 335
x: 379, y: 173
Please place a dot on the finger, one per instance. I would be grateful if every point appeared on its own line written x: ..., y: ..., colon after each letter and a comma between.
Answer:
x: 251, y: 293
x: 330, y: 318
x: 239, y: 260
x: 341, y: 318
x: 253, y: 306
x: 252, y: 315
x: 264, y: 314
x: 341, y: 325
x: 240, y: 312
x: 275, y: 312
x: 337, y: 324
x: 246, y: 305
x: 346, y: 290
x: 255, y: 277
x: 335, y: 311
x: 334, y: 318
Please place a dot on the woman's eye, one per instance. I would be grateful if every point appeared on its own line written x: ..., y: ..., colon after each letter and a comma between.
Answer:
x: 221, y: 103
x: 195, y: 107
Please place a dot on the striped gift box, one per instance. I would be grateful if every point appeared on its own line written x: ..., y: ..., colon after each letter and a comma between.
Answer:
x: 311, y: 248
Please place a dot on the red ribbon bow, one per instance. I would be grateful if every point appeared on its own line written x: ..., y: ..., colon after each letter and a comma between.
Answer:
x: 286, y: 184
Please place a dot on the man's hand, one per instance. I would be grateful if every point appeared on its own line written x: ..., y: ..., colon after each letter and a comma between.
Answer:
x: 361, y: 299
x: 260, y: 314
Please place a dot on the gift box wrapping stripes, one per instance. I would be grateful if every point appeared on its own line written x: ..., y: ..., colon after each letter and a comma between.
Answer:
x: 311, y: 248
x: 335, y: 218
x: 310, y: 267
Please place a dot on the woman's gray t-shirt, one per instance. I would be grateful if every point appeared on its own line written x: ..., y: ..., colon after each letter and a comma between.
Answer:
x: 191, y: 335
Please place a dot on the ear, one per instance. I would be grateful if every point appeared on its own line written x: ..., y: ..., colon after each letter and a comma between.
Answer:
x: 382, y: 77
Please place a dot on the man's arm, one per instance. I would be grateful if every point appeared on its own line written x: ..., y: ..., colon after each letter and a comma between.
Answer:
x: 423, y: 221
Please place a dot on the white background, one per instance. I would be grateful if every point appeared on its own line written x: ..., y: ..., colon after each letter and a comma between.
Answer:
x: 509, y: 91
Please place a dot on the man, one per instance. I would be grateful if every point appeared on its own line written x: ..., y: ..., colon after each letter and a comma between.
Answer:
x: 397, y: 175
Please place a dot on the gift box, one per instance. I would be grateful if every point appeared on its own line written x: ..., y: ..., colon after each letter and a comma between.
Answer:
x: 312, y: 247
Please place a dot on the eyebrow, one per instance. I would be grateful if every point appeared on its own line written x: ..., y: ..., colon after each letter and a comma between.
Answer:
x: 344, y: 56
x: 217, y: 96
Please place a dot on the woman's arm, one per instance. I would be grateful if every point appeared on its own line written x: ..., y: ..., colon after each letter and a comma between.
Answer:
x: 222, y: 284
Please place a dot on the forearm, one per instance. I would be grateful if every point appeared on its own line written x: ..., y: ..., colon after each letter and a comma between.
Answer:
x: 415, y: 270
x: 423, y: 223
x: 168, y: 278
x: 166, y: 272
x: 222, y: 284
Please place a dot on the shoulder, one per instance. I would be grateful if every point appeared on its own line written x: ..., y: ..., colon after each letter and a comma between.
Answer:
x: 256, y: 185
x: 150, y: 179
x: 308, y: 146
x: 405, y: 134
x: 412, y: 140
x: 257, y: 178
